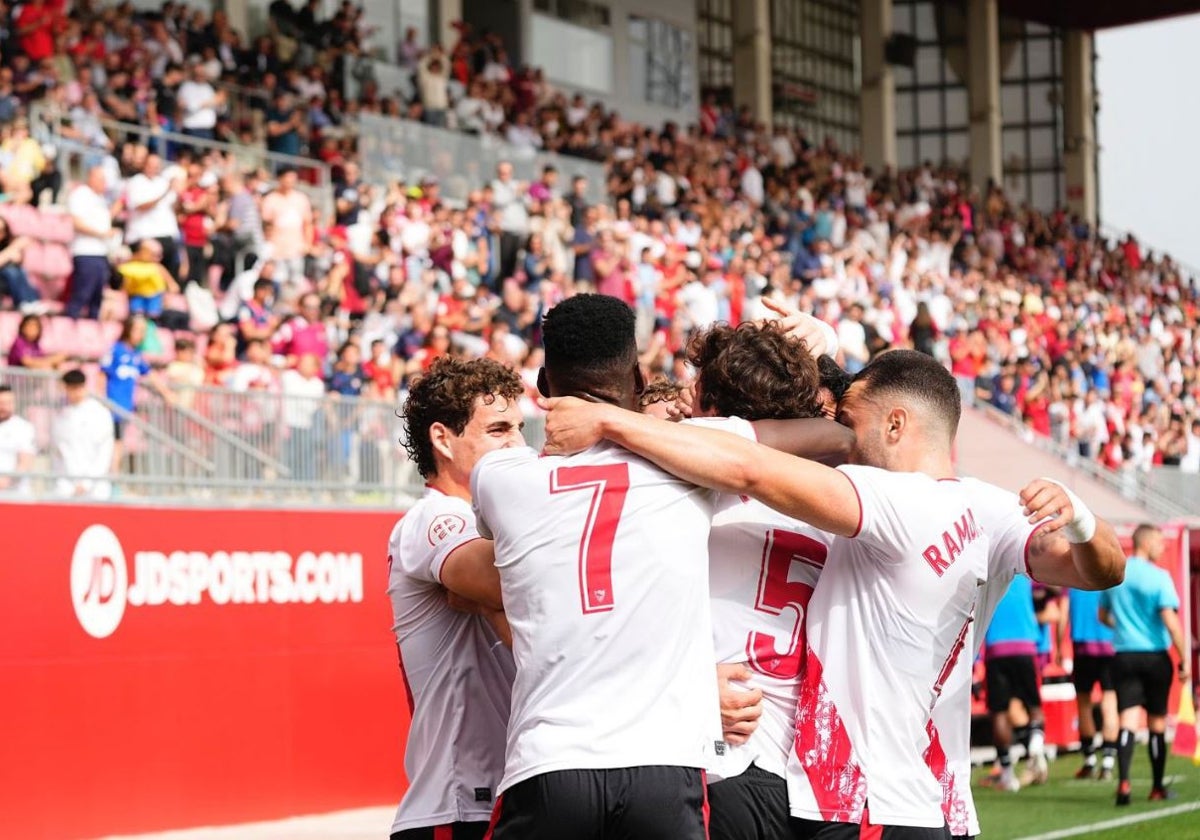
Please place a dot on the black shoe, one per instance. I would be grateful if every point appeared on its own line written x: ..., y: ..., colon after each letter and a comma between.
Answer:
x: 1087, y: 771
x: 1123, y: 793
x: 1161, y: 794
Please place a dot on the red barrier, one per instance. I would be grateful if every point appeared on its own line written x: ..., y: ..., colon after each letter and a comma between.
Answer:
x: 164, y: 668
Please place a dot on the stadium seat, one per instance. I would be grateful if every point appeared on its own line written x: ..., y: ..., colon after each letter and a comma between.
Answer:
x: 42, y: 418
x: 90, y: 341
x: 22, y: 220
x: 9, y: 321
x: 58, y: 334
x: 56, y: 227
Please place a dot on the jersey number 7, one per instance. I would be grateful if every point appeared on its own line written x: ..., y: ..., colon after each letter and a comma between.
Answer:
x: 608, y: 484
x: 775, y: 594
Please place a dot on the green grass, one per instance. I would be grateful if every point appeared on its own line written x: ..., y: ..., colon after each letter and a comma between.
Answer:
x: 1065, y: 803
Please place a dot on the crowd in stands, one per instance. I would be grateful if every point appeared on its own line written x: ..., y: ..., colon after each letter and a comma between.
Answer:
x: 1090, y: 343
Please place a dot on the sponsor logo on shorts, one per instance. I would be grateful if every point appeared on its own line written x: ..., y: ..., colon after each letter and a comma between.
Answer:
x: 104, y: 584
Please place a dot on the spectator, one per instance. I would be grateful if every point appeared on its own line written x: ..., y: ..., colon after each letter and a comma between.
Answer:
x: 24, y: 163
x: 304, y: 333
x: 289, y: 213
x: 255, y: 320
x: 146, y: 279
x: 26, y: 350
x: 433, y: 80
x: 198, y: 102
x: 17, y: 446
x: 239, y: 229
x: 82, y: 442
x: 184, y: 374
x: 92, y: 220
x: 151, y: 196
x: 285, y: 124
x: 508, y: 199
x: 303, y: 389
x: 123, y: 368
x: 198, y: 205
x: 220, y: 356
x: 14, y: 282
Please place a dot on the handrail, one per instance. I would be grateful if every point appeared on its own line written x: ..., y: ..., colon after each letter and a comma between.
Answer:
x: 323, y: 190
x: 232, y: 440
x: 152, y: 431
x: 1120, y: 483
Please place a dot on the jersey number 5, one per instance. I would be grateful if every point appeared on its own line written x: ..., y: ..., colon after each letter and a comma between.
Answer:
x: 775, y: 594
x: 608, y: 485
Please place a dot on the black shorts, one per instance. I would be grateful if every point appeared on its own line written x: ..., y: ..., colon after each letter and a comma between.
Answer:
x: 453, y: 831
x: 1089, y: 670
x: 813, y: 830
x: 752, y: 806
x: 647, y: 803
x: 1143, y: 679
x: 118, y: 428
x: 1009, y: 678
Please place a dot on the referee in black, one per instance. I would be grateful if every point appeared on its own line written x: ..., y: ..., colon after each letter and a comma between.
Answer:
x: 1144, y: 614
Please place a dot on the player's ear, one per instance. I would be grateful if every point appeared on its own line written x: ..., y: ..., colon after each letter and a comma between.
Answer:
x: 896, y: 423
x: 543, y: 384
x: 439, y: 437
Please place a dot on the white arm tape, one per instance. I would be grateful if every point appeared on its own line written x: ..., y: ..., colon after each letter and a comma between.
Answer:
x: 1082, y: 528
x: 831, y: 337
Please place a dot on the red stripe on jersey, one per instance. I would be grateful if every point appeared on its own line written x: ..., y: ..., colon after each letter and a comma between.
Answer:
x: 704, y: 788
x: 866, y: 831
x: 443, y: 832
x: 955, y: 651
x: 954, y: 809
x: 404, y: 676
x: 495, y: 817
x: 824, y: 749
x: 1028, y: 541
x: 857, y: 495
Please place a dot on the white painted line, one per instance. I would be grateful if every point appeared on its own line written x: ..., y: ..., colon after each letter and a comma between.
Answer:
x: 1118, y: 823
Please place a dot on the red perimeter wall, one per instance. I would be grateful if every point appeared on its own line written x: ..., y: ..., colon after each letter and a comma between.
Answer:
x: 252, y: 674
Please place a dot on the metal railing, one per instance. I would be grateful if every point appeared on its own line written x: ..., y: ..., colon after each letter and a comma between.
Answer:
x: 217, y: 445
x: 1144, y: 489
x: 393, y: 149
x: 80, y: 156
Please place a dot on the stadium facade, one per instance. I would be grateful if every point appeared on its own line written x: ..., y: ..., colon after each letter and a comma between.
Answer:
x: 1003, y: 88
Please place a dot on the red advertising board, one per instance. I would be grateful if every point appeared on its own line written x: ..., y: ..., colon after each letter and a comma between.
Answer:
x: 167, y: 667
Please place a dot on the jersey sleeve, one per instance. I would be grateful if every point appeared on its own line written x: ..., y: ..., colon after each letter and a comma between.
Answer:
x: 1009, y: 531
x: 487, y: 483
x: 443, y: 527
x: 1168, y: 598
x: 879, y: 524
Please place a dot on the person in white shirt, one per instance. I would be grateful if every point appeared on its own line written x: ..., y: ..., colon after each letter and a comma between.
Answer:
x: 151, y: 196
x: 897, y: 596
x: 82, y: 442
x: 303, y: 389
x: 18, y: 446
x: 457, y: 671
x: 1190, y: 462
x: 852, y: 336
x: 91, y: 217
x: 198, y: 102
x: 599, y: 554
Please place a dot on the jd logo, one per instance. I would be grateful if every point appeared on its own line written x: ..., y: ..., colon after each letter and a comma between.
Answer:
x: 99, y: 580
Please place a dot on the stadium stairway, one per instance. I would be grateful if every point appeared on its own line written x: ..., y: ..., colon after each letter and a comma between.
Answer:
x: 993, y: 451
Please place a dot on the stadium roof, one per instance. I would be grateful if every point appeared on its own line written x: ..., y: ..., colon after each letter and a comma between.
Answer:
x: 1094, y: 14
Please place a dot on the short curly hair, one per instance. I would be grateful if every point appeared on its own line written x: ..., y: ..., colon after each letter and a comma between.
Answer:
x: 659, y: 390
x: 756, y: 372
x: 446, y: 394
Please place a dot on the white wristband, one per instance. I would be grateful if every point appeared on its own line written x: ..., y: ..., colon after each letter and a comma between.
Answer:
x: 1082, y: 527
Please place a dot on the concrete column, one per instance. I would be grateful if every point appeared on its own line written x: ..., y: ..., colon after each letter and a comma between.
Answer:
x: 238, y: 12
x: 878, y: 97
x: 983, y: 90
x: 445, y: 12
x: 1079, y: 108
x: 752, y: 57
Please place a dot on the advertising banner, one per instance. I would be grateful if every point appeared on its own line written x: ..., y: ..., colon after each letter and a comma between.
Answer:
x: 172, y: 667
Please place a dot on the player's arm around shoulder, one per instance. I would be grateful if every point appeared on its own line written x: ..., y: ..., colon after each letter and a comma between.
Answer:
x: 816, y: 438
x: 1071, y: 546
x: 713, y: 458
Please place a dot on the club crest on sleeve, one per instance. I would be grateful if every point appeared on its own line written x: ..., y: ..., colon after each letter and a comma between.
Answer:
x: 444, y: 527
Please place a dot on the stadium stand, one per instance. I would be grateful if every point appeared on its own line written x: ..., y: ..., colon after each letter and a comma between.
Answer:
x: 1085, y: 341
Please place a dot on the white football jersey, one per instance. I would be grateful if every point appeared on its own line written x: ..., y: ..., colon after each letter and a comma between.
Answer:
x: 763, y: 566
x: 457, y: 672
x: 603, y: 563
x: 1000, y: 515
x: 886, y: 622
